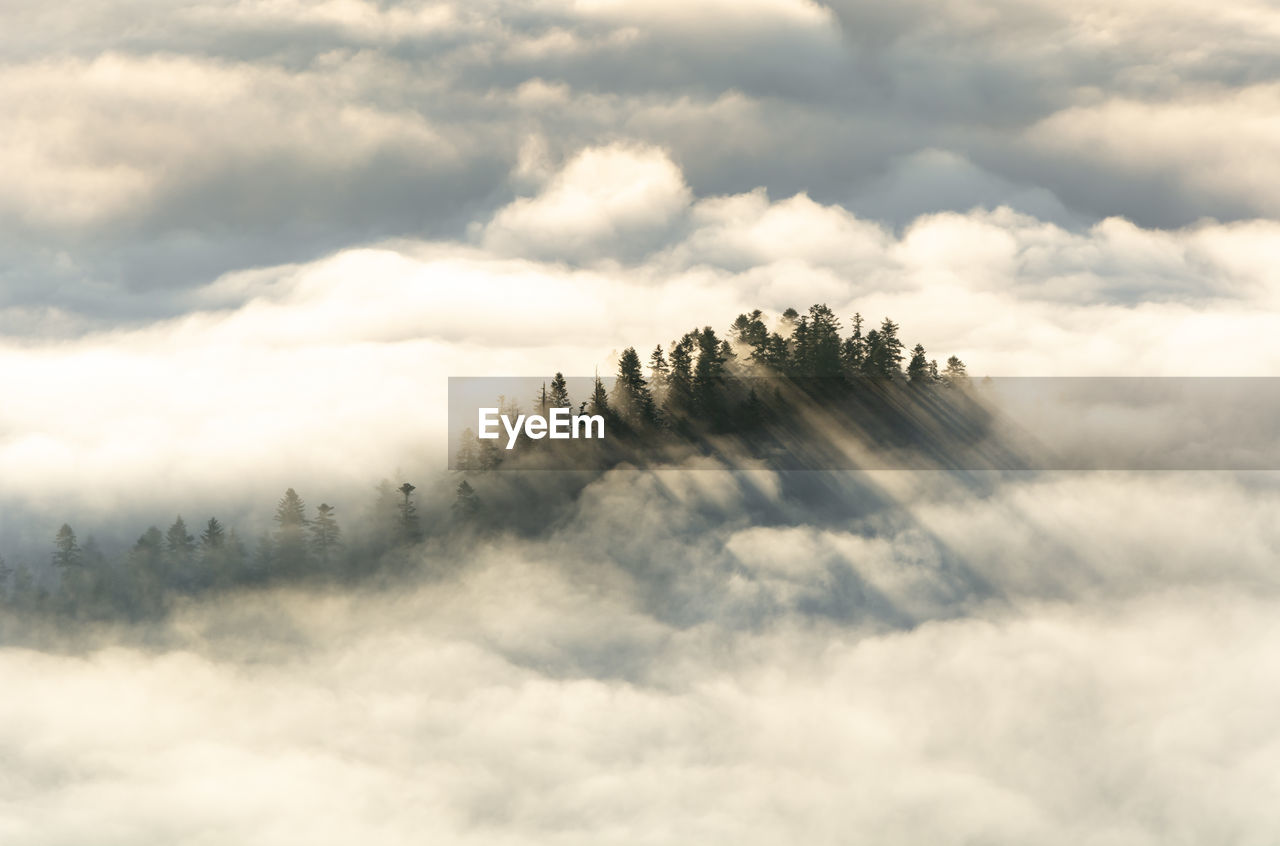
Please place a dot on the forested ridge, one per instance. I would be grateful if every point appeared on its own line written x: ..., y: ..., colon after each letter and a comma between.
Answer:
x: 753, y: 386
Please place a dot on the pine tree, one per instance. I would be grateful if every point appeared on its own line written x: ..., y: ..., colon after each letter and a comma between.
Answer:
x: 657, y: 371
x: 679, y: 398
x: 468, y: 457
x: 854, y: 351
x: 178, y: 542
x: 708, y: 375
x: 410, y: 530
x: 213, y: 536
x: 289, y: 545
x: 750, y: 331
x: 631, y: 397
x: 66, y: 552
x: 559, y: 395
x: 890, y: 363
x: 918, y: 368
x: 955, y: 373
x: 774, y: 354
x: 325, y: 534
x: 824, y: 360
x: 466, y: 504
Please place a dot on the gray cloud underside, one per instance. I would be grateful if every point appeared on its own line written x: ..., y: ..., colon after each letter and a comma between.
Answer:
x: 199, y: 139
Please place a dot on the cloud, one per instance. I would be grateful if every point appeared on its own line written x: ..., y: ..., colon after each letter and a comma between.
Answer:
x: 534, y: 691
x: 334, y: 370
x: 603, y: 201
x: 199, y: 141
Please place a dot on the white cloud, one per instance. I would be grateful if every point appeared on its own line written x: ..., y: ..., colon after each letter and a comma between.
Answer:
x: 601, y: 199
x: 339, y: 366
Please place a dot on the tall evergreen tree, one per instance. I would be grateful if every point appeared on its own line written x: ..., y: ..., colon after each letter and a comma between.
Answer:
x: 749, y: 331
x: 631, y: 398
x: 178, y: 541
x: 918, y: 368
x: 468, y: 449
x: 854, y: 350
x: 559, y: 395
x: 289, y: 546
x: 325, y: 534
x: 708, y: 375
x: 955, y: 372
x: 66, y: 550
x: 889, y: 364
x: 823, y: 352
x: 657, y: 371
x: 213, y: 536
x: 466, y: 504
x: 679, y: 398
x: 410, y: 529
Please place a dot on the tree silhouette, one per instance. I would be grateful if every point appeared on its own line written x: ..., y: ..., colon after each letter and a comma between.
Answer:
x: 213, y: 536
x: 631, y: 397
x: 66, y: 551
x: 468, y: 457
x: 955, y: 373
x: 918, y: 371
x: 559, y: 396
x: 410, y: 530
x: 679, y: 398
x: 466, y: 504
x: 325, y: 534
x: 289, y: 546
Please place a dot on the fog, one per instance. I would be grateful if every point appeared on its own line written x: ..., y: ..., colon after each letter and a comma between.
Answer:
x: 1070, y: 658
x: 245, y: 243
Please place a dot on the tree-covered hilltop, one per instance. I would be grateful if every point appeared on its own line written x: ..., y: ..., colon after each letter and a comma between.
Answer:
x: 789, y: 392
x: 797, y: 395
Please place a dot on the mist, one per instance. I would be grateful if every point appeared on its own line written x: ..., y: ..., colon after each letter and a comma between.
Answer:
x: 1045, y: 657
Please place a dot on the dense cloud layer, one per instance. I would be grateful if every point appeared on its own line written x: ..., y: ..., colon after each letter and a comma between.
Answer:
x: 244, y: 242
x: 333, y: 372
x: 1059, y: 660
x: 149, y: 157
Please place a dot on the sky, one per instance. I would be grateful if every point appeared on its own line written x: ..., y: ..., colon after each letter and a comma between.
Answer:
x: 244, y: 244
x: 216, y: 211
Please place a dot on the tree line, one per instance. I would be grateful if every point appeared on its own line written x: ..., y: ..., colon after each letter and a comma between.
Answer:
x: 739, y: 383
x: 303, y: 545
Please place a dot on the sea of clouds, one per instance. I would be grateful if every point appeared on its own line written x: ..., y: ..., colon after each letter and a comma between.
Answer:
x: 244, y: 243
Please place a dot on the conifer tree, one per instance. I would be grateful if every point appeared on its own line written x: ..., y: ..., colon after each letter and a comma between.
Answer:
x: 708, y: 375
x: 679, y: 398
x: 631, y: 397
x: 66, y: 551
x: 750, y: 331
x: 918, y: 368
x: 657, y: 371
x: 325, y: 534
x: 559, y: 395
x: 823, y: 348
x: 410, y: 530
x: 466, y: 504
x: 178, y: 541
x: 599, y: 403
x: 890, y: 363
x: 955, y: 373
x: 467, y: 458
x: 289, y: 546
x: 213, y: 535
x: 854, y: 351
